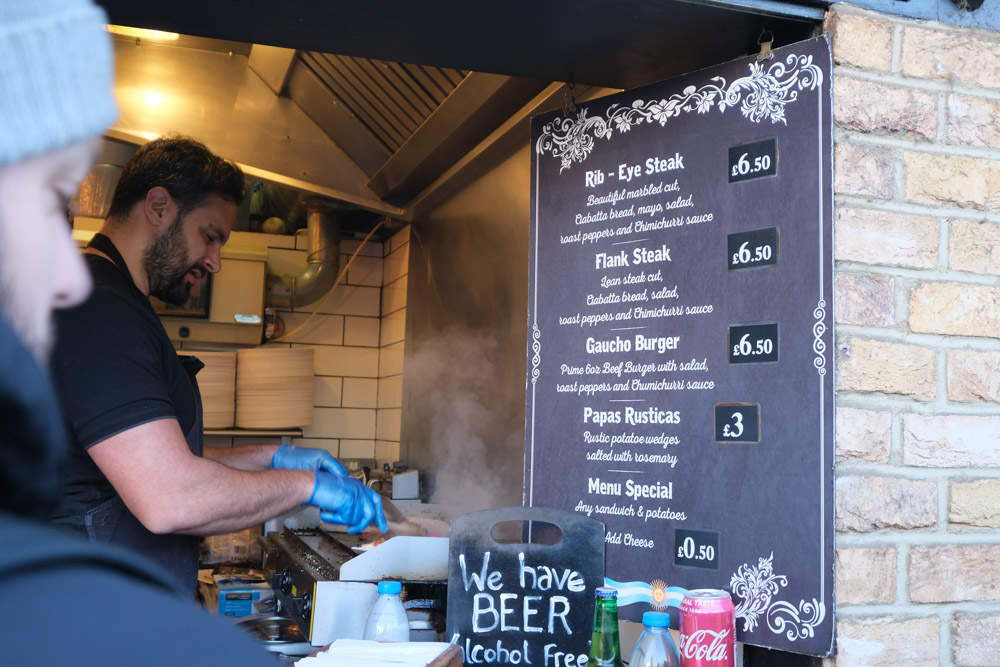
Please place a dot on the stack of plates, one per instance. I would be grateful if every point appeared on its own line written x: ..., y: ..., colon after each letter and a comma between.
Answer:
x: 274, y: 388
x: 217, y: 383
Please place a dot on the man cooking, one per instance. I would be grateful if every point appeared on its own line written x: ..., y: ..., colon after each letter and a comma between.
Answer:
x: 138, y: 475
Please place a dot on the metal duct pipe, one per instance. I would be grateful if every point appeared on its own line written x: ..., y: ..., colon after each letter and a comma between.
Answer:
x: 322, y: 264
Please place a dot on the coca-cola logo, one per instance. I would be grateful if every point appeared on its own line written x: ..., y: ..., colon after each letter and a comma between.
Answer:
x: 698, y: 646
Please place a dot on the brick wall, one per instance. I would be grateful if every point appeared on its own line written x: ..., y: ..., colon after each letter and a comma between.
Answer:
x: 917, y: 249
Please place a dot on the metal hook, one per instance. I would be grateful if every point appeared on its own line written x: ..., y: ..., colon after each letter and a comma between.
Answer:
x: 569, y: 99
x: 765, y: 45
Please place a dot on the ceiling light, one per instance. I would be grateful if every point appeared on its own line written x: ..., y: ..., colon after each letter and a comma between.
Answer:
x: 152, y: 98
x: 142, y: 33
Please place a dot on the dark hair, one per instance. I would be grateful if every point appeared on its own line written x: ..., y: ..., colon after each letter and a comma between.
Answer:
x: 185, y: 167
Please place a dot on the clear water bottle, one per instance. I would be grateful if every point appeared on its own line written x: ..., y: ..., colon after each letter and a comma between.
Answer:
x: 387, y: 620
x: 655, y: 647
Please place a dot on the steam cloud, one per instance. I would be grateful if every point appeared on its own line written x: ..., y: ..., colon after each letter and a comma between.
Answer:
x: 467, y: 404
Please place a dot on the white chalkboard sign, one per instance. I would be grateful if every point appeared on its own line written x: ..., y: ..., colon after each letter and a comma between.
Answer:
x: 524, y: 602
x: 680, y: 328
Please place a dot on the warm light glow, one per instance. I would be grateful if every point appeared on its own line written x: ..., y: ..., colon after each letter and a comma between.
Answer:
x: 142, y: 33
x: 152, y: 98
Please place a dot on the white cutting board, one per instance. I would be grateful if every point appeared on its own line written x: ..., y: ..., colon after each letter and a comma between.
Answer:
x: 404, y: 557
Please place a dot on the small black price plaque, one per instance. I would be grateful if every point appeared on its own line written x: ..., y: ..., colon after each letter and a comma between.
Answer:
x: 753, y: 160
x: 755, y: 248
x: 753, y: 344
x: 737, y: 422
x: 696, y: 548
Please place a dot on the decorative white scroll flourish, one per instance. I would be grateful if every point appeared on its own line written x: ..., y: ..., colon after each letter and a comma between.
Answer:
x: 761, y: 95
x: 756, y: 586
x: 796, y: 623
x: 536, y: 348
x: 819, y: 328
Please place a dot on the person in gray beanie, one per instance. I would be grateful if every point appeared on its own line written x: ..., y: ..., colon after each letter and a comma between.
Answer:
x: 63, y: 600
x: 56, y: 75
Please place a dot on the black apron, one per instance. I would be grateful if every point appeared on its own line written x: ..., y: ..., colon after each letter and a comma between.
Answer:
x: 112, y: 522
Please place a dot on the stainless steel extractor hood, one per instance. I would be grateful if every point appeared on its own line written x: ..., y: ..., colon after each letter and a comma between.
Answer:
x: 370, y: 104
x: 364, y: 134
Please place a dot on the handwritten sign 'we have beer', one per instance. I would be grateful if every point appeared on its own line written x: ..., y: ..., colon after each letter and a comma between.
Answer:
x: 523, y: 602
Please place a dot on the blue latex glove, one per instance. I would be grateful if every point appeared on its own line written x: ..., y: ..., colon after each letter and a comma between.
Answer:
x: 288, y: 457
x: 345, y: 500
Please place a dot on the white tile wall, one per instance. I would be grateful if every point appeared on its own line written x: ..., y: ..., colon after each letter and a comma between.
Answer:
x: 361, y: 331
x: 370, y: 249
x: 357, y: 449
x: 391, y: 360
x: 386, y: 451
x: 345, y: 422
x: 391, y: 340
x: 394, y: 296
x: 320, y: 330
x: 360, y: 393
x: 364, y: 270
x: 390, y: 392
x: 347, y: 361
x: 349, y: 300
x: 396, y: 264
x: 328, y: 392
x: 401, y: 238
x: 393, y: 328
x: 357, y: 336
x: 387, y: 425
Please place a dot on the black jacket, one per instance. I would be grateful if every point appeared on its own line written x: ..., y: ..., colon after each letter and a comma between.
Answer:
x: 63, y: 600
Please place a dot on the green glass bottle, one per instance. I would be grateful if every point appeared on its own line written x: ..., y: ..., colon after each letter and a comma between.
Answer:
x: 604, y: 648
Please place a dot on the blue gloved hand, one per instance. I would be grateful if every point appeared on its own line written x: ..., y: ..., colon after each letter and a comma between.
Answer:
x: 345, y: 500
x: 288, y: 457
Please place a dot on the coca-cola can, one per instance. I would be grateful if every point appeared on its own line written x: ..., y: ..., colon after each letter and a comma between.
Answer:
x: 708, y: 629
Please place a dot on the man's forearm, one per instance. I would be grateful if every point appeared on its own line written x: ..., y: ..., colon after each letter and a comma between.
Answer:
x: 228, y: 499
x: 172, y: 491
x: 251, y: 458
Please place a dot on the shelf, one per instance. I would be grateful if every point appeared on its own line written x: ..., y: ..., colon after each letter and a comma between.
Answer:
x: 255, y: 433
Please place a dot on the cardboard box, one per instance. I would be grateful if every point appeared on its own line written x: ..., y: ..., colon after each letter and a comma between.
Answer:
x: 243, y: 595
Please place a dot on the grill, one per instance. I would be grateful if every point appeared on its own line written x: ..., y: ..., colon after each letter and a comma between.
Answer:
x: 305, y: 567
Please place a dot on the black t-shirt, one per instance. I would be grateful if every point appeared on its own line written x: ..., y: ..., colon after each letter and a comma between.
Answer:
x: 114, y: 369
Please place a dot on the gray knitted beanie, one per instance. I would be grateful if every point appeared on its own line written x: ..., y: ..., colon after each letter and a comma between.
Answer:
x: 56, y: 76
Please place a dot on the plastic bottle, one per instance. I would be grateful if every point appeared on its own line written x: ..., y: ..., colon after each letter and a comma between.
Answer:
x: 387, y: 620
x: 605, y: 649
x: 655, y: 647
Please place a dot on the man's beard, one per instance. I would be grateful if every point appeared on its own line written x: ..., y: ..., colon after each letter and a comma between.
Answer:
x: 166, y: 264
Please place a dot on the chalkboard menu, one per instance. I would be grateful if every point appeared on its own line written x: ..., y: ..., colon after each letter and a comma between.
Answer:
x: 680, y: 384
